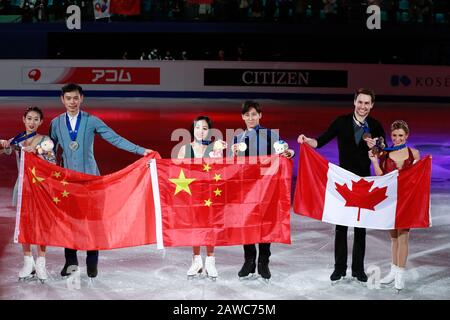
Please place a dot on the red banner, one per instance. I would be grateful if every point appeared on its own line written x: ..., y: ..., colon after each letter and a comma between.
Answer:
x: 111, y: 75
x: 214, y: 203
x: 65, y: 208
x: 396, y: 200
x: 170, y: 203
x: 125, y: 7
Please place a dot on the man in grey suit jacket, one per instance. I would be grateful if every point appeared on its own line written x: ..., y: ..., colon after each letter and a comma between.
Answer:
x: 74, y: 132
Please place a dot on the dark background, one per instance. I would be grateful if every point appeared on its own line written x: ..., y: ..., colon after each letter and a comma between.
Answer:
x: 287, y: 30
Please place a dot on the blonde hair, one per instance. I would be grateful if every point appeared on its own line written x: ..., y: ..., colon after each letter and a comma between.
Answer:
x: 400, y: 124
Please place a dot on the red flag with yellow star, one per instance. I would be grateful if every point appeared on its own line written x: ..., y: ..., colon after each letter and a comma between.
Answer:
x: 214, y: 202
x: 224, y: 201
x: 65, y: 208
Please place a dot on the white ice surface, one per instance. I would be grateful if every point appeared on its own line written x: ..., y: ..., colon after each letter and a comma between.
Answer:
x: 299, y: 271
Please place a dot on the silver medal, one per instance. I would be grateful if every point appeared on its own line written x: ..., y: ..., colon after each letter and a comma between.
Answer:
x: 73, y: 145
x: 8, y: 151
x: 242, y: 147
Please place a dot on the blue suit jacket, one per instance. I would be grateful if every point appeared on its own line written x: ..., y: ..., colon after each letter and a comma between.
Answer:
x: 259, y: 142
x: 82, y: 159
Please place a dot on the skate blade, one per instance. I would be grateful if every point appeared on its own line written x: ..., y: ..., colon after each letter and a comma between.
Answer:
x: 212, y: 278
x: 194, y: 277
x: 389, y: 285
x: 264, y: 280
x: 26, y: 279
x: 360, y: 282
x: 336, y: 282
x: 363, y: 284
x: 251, y: 276
x: 91, y: 282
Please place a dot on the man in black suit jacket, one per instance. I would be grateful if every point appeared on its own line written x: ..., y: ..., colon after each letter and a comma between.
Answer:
x: 353, y: 147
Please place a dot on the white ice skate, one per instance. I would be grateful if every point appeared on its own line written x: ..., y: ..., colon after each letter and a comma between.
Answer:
x: 41, y: 271
x: 390, y: 277
x: 28, y: 269
x: 210, y: 268
x: 196, y: 267
x: 399, y: 279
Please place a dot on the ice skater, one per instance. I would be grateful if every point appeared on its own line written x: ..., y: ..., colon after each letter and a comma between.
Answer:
x: 201, y: 147
x: 397, y: 157
x: 30, y: 141
x: 73, y: 132
x: 354, y: 133
x: 256, y: 141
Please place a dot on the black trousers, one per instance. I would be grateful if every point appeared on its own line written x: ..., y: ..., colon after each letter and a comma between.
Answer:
x: 264, y: 252
x: 72, y: 259
x: 340, y: 248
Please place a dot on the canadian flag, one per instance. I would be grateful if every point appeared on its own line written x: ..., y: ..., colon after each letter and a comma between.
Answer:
x: 397, y: 200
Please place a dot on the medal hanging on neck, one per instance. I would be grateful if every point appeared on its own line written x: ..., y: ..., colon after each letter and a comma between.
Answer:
x: 16, y: 140
x: 242, y: 146
x: 365, y: 127
x: 73, y: 133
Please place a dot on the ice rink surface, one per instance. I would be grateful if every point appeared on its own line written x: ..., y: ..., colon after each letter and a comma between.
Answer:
x: 300, y: 271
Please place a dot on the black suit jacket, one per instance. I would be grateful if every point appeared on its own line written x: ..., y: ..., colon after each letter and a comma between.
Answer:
x: 352, y: 157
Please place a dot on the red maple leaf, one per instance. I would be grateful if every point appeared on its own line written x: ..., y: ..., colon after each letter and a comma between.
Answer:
x: 360, y: 196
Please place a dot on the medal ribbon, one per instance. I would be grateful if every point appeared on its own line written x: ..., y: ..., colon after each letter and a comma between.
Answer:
x: 22, y: 137
x: 73, y: 133
x: 203, y: 142
x: 394, y: 148
x: 364, y: 124
x: 248, y: 131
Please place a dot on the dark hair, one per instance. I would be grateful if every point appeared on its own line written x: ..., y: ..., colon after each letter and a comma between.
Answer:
x: 400, y: 124
x: 71, y: 87
x: 35, y: 109
x: 199, y: 118
x: 247, y: 105
x: 366, y: 91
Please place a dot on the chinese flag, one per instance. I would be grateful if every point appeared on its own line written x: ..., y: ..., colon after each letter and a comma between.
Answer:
x: 65, y: 208
x: 174, y: 203
x: 397, y: 200
x: 220, y: 202
x: 125, y: 7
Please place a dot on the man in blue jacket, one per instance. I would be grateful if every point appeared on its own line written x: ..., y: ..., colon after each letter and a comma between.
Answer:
x: 73, y: 132
x: 256, y: 141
